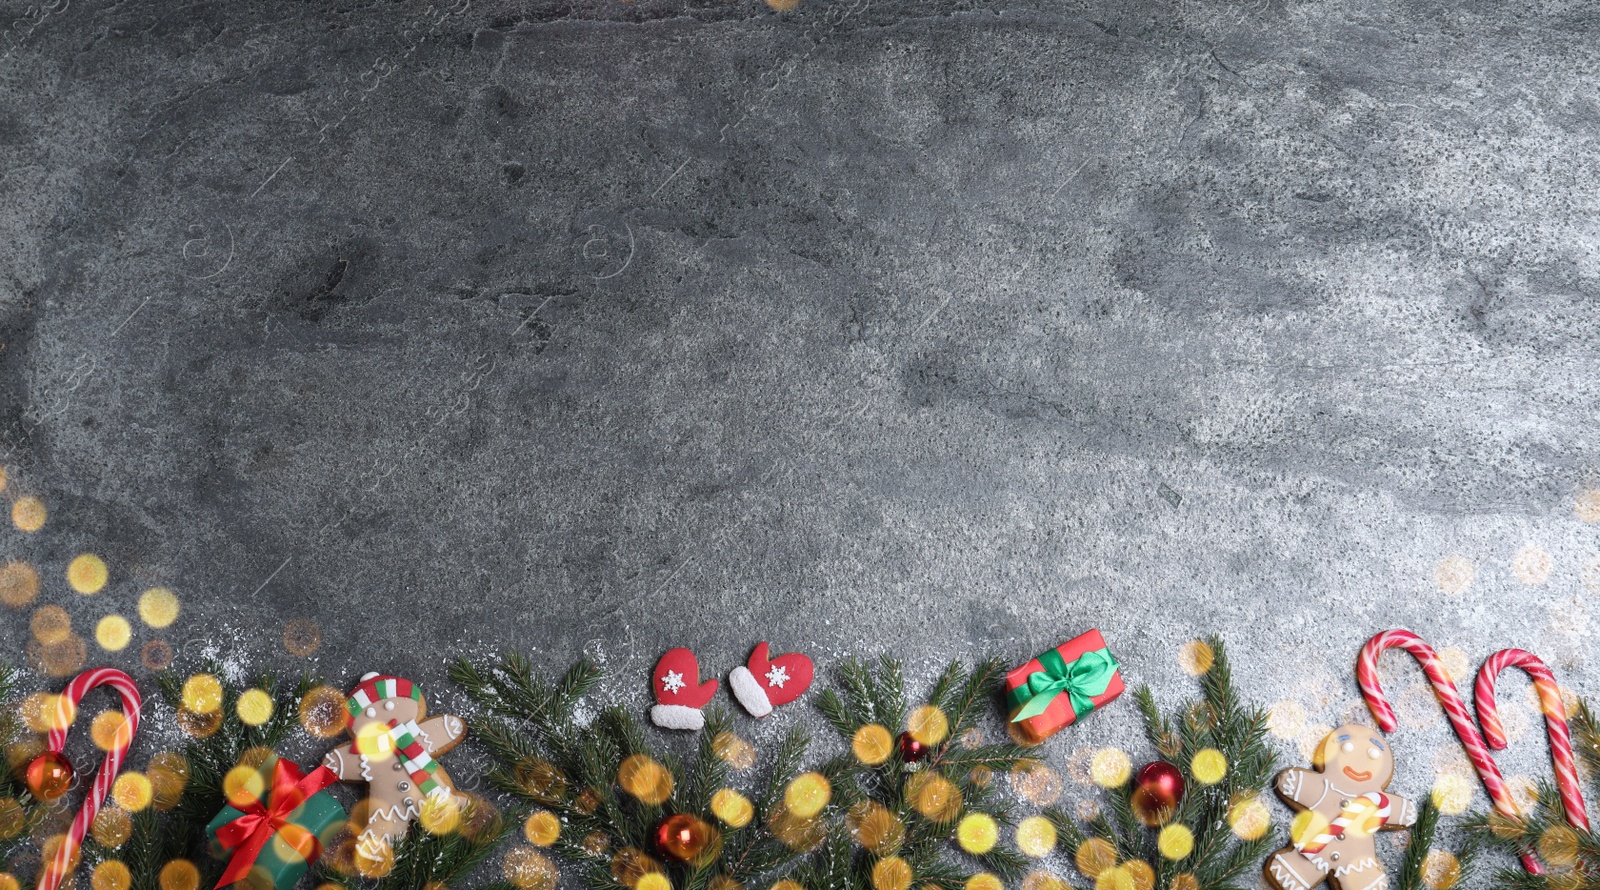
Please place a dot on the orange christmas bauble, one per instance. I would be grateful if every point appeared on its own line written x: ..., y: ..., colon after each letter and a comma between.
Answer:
x: 49, y: 776
x: 682, y: 837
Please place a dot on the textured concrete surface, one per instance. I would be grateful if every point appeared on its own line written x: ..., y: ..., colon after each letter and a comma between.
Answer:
x: 938, y: 328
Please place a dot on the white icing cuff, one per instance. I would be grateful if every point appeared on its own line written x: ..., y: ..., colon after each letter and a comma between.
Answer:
x: 749, y: 692
x: 677, y: 717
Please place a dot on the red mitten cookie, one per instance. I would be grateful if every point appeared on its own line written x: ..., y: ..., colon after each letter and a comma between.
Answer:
x: 764, y: 683
x: 679, y: 693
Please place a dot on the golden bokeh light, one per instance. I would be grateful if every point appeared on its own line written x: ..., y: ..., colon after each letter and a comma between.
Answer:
x: 977, y: 833
x: 1185, y: 881
x: 794, y: 832
x: 46, y: 711
x: 440, y: 814
x: 1587, y: 505
x: 734, y: 751
x: 8, y: 881
x: 806, y: 795
x: 61, y: 658
x: 786, y: 884
x: 875, y: 828
x: 155, y: 655
x: 542, y: 828
x: 984, y: 881
x: 732, y: 808
x: 169, y: 774
x: 645, y: 779
x: 1209, y: 766
x: 934, y: 796
x: 87, y: 573
x: 109, y: 730
x: 1196, y: 657
x: 51, y: 624
x: 111, y: 874
x: 322, y: 712
x: 1110, y: 767
x: 1558, y: 845
x: 254, y: 707
x: 1175, y: 841
x: 928, y: 725
x: 28, y: 514
x: 1453, y: 574
x: 1094, y: 856
x: 891, y: 873
x: 374, y: 862
x: 541, y: 780
x: 1441, y: 870
x: 1043, y: 880
x: 1287, y: 719
x: 202, y: 693
x: 158, y: 607
x: 244, y: 785
x: 1036, y: 837
x: 52, y: 846
x: 1036, y: 783
x: 1144, y: 877
x: 630, y: 864
x: 113, y: 633
x: 301, y: 637
x: 19, y: 584
x: 374, y: 742
x: 1452, y: 794
x: 528, y: 869
x: 872, y: 744
x: 654, y: 880
x: 1532, y: 565
x: 588, y: 801
x: 980, y: 776
x: 1456, y: 664
x: 199, y: 725
x: 132, y: 791
x: 1249, y: 817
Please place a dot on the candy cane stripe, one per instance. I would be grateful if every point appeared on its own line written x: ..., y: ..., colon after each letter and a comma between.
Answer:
x: 51, y: 876
x: 1445, y: 691
x: 1369, y: 812
x: 1555, y: 718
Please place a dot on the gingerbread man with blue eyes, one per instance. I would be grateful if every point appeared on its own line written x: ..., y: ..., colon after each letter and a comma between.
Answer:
x: 394, y: 753
x: 1344, y: 807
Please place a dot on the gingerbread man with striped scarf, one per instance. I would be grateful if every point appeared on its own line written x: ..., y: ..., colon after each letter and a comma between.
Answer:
x: 1343, y: 807
x: 395, y: 753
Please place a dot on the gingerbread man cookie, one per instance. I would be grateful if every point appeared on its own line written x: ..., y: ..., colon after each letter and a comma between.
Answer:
x: 1344, y: 806
x: 395, y: 753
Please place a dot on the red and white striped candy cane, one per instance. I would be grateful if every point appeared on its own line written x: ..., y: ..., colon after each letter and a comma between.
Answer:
x: 1444, y: 689
x: 1555, y: 718
x: 66, y: 709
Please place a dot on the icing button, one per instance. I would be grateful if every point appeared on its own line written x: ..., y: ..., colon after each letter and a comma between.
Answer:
x: 410, y: 802
x: 405, y: 786
x: 397, y: 766
x: 1333, y: 856
x: 1342, y: 803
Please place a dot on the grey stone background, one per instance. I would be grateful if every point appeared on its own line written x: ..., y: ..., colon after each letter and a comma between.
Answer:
x: 935, y: 328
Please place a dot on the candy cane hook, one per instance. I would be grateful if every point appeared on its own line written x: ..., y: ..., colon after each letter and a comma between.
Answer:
x: 1555, y: 718
x: 1444, y: 689
x: 66, y: 709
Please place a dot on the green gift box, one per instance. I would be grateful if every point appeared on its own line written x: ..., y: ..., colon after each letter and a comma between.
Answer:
x: 272, y: 839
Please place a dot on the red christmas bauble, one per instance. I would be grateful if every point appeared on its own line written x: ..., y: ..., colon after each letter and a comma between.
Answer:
x: 1157, y: 789
x: 682, y: 837
x: 911, y: 750
x: 49, y: 776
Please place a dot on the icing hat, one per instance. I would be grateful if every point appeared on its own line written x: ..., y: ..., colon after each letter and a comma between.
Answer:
x: 376, y: 687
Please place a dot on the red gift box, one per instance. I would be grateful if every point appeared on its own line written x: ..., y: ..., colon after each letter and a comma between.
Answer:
x: 1061, y: 686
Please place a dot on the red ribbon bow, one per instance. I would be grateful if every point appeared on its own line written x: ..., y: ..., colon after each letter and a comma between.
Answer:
x: 247, y: 834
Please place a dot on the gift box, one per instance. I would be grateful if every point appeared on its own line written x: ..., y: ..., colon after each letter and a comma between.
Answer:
x: 275, y: 826
x: 1058, y: 688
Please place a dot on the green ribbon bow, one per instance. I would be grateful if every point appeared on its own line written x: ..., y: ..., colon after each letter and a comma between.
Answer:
x: 1086, y: 677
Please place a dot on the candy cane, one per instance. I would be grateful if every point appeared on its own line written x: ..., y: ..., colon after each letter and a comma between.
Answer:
x: 1555, y: 718
x: 1444, y: 690
x: 66, y: 709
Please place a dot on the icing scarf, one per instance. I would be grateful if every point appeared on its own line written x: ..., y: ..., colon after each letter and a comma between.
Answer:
x: 405, y: 741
